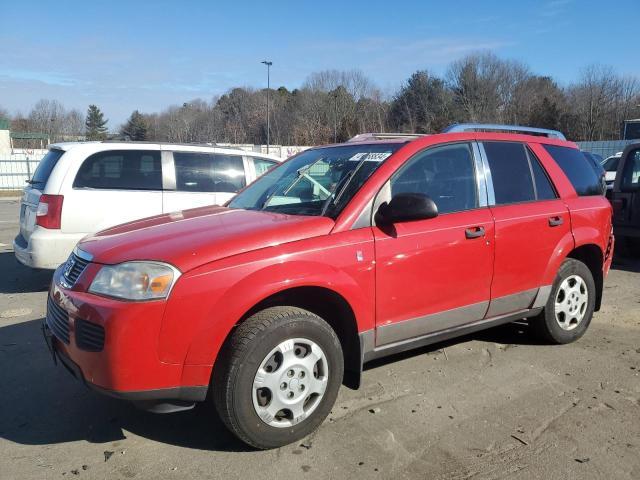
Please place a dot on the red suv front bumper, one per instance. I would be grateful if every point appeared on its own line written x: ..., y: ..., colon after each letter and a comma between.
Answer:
x: 112, y: 345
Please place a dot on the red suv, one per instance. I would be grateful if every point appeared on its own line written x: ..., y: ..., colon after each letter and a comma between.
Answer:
x: 340, y: 255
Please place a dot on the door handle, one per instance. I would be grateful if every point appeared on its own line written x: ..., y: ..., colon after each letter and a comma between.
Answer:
x: 474, y: 232
x: 555, y: 221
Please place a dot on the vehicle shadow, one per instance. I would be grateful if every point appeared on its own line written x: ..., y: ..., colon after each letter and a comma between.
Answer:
x: 16, y: 278
x: 43, y: 404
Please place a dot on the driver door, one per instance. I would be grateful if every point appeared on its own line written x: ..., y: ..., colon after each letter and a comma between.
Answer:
x: 435, y: 274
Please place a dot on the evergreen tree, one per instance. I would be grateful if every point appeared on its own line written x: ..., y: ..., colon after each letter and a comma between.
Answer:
x: 135, y: 128
x: 95, y: 124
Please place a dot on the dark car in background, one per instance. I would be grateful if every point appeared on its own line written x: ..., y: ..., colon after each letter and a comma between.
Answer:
x: 625, y: 198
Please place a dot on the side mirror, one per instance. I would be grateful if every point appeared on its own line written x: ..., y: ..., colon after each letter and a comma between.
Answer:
x: 406, y: 207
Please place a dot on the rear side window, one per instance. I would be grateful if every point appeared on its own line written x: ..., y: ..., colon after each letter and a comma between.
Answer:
x: 44, y: 168
x: 577, y: 168
x: 121, y: 170
x: 631, y: 178
x: 544, y: 188
x: 208, y: 172
x: 262, y: 165
x: 510, y: 172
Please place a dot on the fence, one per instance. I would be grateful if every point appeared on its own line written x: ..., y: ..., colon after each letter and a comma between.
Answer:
x: 605, y: 148
x: 15, y: 173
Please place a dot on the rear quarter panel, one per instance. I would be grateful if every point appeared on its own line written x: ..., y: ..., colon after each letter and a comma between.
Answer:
x: 590, y: 215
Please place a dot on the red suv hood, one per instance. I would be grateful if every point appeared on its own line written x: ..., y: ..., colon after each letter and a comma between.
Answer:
x: 191, y: 238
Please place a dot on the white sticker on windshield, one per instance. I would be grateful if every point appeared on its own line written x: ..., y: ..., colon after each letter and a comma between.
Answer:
x: 370, y: 156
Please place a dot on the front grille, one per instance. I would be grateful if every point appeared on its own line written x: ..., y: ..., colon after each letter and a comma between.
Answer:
x: 73, y: 268
x: 89, y: 336
x: 58, y: 320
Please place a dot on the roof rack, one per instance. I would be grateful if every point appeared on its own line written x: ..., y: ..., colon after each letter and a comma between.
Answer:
x: 184, y: 144
x: 384, y: 136
x: 489, y: 127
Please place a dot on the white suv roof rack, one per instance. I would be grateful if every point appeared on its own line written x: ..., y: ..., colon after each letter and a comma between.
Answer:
x: 490, y: 127
x: 362, y: 137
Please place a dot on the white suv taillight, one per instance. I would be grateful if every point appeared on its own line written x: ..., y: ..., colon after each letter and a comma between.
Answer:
x: 49, y: 212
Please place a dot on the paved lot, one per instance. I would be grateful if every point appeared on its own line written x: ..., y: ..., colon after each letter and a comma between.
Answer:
x: 491, y: 405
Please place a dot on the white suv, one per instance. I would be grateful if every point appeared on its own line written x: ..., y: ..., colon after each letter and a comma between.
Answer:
x: 85, y: 187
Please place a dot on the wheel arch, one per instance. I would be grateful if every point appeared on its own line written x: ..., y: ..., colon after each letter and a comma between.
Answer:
x: 331, y: 307
x: 592, y: 256
x: 336, y: 311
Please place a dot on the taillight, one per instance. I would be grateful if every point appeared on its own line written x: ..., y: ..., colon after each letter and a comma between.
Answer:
x: 49, y: 212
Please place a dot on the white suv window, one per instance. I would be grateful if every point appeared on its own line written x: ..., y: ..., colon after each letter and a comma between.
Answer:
x: 208, y: 172
x: 121, y: 170
x: 262, y: 165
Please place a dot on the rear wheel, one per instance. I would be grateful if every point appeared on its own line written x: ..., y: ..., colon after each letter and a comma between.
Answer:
x: 278, y: 376
x: 570, y: 306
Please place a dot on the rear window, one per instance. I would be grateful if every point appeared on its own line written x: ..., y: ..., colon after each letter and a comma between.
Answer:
x: 121, y: 170
x: 44, y: 168
x: 577, y: 168
x: 208, y: 172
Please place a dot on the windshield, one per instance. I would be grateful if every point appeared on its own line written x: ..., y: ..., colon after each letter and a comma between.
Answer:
x: 611, y: 164
x: 44, y: 169
x: 316, y: 182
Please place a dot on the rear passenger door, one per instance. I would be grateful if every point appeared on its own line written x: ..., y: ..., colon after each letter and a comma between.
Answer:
x: 113, y: 187
x: 530, y: 222
x: 203, y: 178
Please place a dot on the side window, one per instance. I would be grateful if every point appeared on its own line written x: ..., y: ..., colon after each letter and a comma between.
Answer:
x: 510, y: 172
x: 544, y: 189
x: 444, y: 173
x: 631, y: 176
x: 207, y: 172
x: 262, y: 165
x: 576, y: 167
x: 121, y: 170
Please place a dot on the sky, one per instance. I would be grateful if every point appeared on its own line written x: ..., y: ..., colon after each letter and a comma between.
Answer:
x: 147, y: 55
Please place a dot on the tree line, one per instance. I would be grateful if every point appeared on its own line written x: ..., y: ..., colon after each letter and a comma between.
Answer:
x: 334, y: 105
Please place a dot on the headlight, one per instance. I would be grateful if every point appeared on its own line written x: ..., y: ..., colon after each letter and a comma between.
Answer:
x: 135, y: 280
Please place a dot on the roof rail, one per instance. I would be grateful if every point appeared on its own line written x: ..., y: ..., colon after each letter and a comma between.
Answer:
x: 384, y: 136
x: 489, y: 127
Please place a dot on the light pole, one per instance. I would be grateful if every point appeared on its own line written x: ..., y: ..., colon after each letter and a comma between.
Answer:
x: 268, y: 64
x: 335, y: 116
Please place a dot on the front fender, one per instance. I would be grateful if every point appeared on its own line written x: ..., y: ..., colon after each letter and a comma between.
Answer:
x: 209, y: 301
x: 256, y: 287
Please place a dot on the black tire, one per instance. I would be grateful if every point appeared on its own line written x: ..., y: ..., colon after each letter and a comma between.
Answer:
x: 546, y: 326
x: 242, y: 355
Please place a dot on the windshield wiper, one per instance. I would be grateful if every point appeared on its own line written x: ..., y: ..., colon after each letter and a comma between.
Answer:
x: 341, y: 189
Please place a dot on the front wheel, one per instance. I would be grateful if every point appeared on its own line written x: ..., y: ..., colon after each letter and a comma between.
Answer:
x: 570, y: 306
x: 278, y: 376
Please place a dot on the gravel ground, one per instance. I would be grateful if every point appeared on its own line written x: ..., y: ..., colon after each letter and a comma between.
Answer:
x: 491, y: 405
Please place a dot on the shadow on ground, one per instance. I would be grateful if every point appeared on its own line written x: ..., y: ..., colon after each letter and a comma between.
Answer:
x: 43, y: 404
x: 16, y: 278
